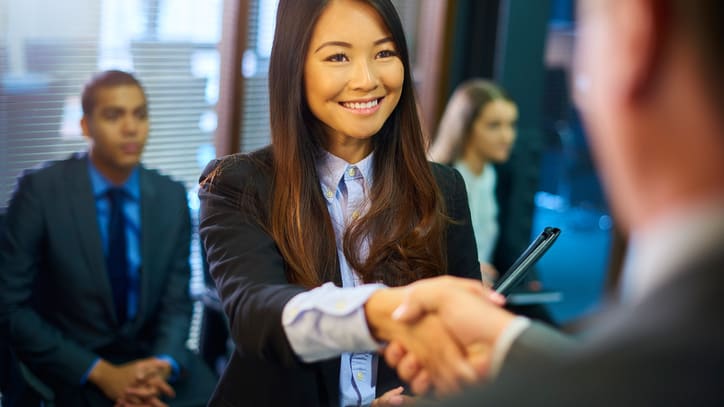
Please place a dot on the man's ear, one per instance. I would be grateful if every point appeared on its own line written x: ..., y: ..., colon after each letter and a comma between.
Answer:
x: 84, y: 126
x: 643, y: 28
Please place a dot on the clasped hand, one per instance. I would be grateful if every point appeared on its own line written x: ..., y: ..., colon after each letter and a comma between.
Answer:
x: 134, y: 384
x: 440, y: 331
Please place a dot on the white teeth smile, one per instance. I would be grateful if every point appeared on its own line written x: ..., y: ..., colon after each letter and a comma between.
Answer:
x: 359, y: 106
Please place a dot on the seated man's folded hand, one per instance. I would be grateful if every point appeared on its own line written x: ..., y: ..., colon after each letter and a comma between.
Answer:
x: 149, y: 384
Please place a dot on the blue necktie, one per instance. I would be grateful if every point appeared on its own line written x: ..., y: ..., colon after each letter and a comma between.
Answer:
x: 116, y: 260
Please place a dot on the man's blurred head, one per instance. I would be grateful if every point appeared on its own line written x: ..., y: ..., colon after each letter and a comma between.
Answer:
x: 648, y: 82
x: 115, y: 120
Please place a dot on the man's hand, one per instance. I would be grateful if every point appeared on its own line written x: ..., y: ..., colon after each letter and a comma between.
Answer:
x: 150, y: 385
x: 425, y: 335
x: 146, y: 393
x: 470, y: 314
x: 411, y: 371
x: 111, y: 379
x: 137, y: 383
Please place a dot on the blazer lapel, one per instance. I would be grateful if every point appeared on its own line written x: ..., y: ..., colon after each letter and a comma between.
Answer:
x: 85, y: 218
x: 150, y: 215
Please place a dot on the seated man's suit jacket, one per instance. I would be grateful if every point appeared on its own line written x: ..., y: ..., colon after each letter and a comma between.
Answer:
x: 249, y: 273
x: 56, y: 304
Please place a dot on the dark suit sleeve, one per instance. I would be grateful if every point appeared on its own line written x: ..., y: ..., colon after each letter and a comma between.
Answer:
x: 462, y: 253
x: 244, y: 261
x: 175, y: 305
x: 38, y: 343
x: 533, y: 357
x: 537, y: 344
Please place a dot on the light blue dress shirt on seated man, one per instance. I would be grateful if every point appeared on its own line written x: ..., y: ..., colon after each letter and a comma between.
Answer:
x: 132, y: 214
x: 324, y: 322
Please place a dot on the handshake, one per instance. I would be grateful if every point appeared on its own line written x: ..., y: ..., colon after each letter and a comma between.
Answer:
x: 440, y: 332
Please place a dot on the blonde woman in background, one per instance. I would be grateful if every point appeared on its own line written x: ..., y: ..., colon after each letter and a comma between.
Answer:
x: 476, y: 131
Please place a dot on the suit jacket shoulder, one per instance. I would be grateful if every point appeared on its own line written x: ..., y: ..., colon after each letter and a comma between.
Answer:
x: 241, y: 181
x: 162, y: 197
x: 159, y: 180
x: 238, y: 165
x: 450, y: 183
x: 66, y: 171
x: 462, y: 252
x: 53, y: 172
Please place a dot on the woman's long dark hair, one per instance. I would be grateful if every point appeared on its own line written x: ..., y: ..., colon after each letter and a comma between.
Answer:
x: 405, y: 222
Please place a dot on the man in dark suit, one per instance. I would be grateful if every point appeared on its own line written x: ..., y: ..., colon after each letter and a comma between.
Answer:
x: 650, y: 86
x: 95, y: 270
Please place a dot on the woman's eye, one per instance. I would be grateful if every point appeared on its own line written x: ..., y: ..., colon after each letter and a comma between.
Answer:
x: 388, y: 53
x: 337, y: 58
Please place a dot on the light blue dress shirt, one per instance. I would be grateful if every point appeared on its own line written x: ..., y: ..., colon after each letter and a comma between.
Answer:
x: 132, y: 213
x: 329, y: 320
x: 483, y: 207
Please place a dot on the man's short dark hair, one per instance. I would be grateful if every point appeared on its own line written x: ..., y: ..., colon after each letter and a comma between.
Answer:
x: 105, y: 79
x: 703, y: 20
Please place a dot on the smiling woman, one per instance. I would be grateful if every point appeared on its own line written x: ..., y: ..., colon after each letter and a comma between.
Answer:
x: 300, y: 235
x: 353, y: 79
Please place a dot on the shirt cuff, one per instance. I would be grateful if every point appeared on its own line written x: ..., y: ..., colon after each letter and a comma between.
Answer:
x: 175, y: 370
x: 325, y: 322
x: 503, y: 344
x: 84, y: 379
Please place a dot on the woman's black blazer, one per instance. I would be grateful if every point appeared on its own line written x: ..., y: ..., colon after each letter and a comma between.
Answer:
x: 248, y: 270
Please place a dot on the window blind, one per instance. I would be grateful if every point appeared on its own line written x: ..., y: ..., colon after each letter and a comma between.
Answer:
x: 48, y: 52
x: 49, y: 49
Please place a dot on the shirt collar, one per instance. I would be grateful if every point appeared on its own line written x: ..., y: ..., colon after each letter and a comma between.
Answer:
x: 101, y: 184
x: 470, y: 179
x: 331, y: 169
x: 656, y: 254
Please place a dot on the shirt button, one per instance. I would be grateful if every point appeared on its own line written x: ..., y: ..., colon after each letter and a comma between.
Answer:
x: 360, y: 376
x: 351, y: 172
x: 330, y: 193
x: 355, y: 215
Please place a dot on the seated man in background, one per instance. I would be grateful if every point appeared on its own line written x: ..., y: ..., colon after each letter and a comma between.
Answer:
x: 650, y: 87
x: 94, y: 266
